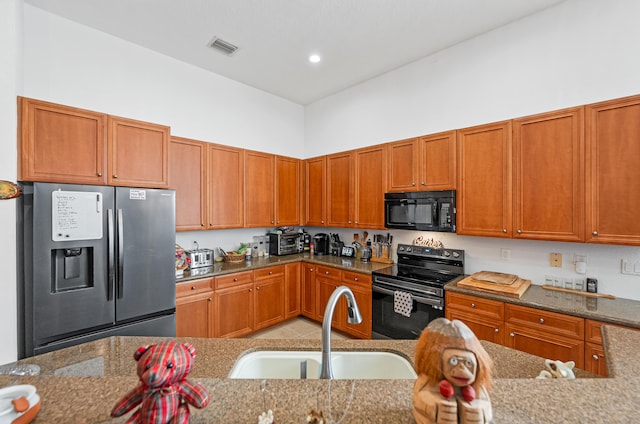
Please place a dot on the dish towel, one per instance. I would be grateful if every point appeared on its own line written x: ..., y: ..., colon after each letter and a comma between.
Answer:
x: 402, y: 303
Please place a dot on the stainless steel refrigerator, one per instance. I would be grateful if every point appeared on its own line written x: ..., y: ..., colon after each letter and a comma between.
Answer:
x: 93, y: 262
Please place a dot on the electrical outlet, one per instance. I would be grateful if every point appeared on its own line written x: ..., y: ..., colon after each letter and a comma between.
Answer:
x: 556, y: 260
x: 628, y: 267
x: 505, y: 254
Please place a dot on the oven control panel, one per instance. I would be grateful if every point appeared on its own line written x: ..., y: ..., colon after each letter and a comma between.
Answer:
x: 423, y: 251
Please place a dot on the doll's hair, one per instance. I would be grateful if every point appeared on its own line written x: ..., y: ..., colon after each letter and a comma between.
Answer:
x: 443, y: 334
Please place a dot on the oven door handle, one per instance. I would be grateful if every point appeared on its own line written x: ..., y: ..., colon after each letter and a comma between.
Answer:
x: 419, y: 299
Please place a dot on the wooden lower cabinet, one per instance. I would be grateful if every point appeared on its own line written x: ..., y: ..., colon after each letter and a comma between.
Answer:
x: 269, y: 297
x: 484, y: 329
x: 292, y: 290
x: 195, y: 309
x: 360, y: 285
x: 234, y: 311
x: 549, y: 346
x: 594, y: 359
x: 308, y: 291
x: 483, y: 316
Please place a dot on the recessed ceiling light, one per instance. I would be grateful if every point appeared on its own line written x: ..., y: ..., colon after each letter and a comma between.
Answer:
x: 314, y: 58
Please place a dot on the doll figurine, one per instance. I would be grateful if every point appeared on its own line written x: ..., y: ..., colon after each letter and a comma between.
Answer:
x: 454, y: 376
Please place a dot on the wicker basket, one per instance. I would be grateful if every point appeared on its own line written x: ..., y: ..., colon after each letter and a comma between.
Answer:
x: 233, y: 257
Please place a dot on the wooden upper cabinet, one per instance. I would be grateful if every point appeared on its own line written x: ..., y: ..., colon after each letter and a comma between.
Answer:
x: 423, y: 163
x: 259, y: 171
x: 61, y: 144
x: 225, y: 182
x: 370, y: 183
x: 340, y: 189
x: 548, y: 161
x: 403, y: 158
x: 315, y: 191
x: 437, y: 164
x: 187, y: 176
x: 138, y: 153
x: 287, y: 191
x: 484, y: 180
x: 613, y: 171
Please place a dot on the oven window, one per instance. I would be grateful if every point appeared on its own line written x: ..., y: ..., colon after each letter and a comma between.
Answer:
x: 388, y: 323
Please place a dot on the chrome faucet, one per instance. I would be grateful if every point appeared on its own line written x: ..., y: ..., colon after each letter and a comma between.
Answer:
x: 354, y: 318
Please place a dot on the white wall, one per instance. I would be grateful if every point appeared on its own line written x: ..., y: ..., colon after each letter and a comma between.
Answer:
x: 10, y: 30
x: 68, y: 63
x: 578, y: 52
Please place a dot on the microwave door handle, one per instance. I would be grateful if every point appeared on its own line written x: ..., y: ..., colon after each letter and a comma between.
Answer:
x: 434, y: 213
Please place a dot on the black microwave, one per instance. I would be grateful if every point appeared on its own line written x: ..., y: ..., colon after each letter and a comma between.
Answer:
x: 421, y: 210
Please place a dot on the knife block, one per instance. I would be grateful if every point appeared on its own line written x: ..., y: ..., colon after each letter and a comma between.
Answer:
x: 382, y: 252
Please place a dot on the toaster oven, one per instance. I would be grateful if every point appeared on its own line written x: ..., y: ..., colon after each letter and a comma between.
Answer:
x: 285, y: 244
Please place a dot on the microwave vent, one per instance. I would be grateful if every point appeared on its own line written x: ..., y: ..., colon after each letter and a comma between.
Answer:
x: 222, y: 46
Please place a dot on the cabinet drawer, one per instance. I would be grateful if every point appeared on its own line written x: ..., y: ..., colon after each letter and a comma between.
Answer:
x: 490, y: 309
x: 194, y: 287
x: 592, y: 331
x: 327, y: 272
x: 266, y: 273
x: 549, y: 322
x: 363, y: 280
x: 234, y: 279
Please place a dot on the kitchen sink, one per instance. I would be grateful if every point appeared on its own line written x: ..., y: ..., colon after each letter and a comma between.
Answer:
x: 283, y: 364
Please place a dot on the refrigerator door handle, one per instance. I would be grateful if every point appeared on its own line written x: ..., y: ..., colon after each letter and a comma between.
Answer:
x: 111, y: 282
x: 120, y: 255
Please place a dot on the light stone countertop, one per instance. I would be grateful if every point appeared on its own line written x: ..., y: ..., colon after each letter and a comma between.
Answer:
x: 71, y: 394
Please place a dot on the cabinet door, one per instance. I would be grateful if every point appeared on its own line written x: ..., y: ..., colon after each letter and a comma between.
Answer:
x: 61, y: 144
x: 437, y: 164
x: 613, y: 174
x: 402, y: 165
x: 292, y: 277
x: 259, y: 189
x: 340, y: 190
x: 484, y: 180
x: 545, y: 345
x: 370, y: 185
x: 187, y: 176
x: 484, y: 329
x: 316, y: 193
x: 549, y: 176
x: 287, y: 187
x: 360, y: 285
x: 269, y: 302
x: 308, y: 300
x: 234, y: 311
x: 225, y: 186
x: 324, y: 288
x: 594, y: 359
x: 138, y: 153
x: 194, y: 315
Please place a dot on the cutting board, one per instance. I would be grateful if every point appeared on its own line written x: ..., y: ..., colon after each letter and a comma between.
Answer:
x: 516, y: 289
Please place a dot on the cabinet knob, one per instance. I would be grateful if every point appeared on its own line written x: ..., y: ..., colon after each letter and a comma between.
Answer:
x: 99, y: 174
x: 496, y: 330
x: 541, y: 320
x: 270, y: 272
x: 413, y: 184
x: 423, y: 183
x: 504, y: 230
x: 210, y: 299
x: 473, y: 305
x: 258, y: 288
x: 310, y: 269
x: 193, y: 287
x: 595, y: 233
x: 326, y: 272
x: 595, y: 357
x: 250, y: 290
x: 512, y: 335
x: 322, y: 221
x: 355, y: 279
x: 202, y: 225
x: 519, y: 231
x: 235, y: 279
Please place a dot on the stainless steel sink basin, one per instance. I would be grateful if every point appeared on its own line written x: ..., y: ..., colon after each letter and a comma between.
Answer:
x: 306, y: 364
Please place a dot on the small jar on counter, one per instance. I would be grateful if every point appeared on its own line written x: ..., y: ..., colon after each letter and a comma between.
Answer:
x: 247, y: 254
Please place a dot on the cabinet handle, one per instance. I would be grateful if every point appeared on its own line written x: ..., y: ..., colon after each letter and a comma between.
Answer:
x: 473, y: 305
x: 519, y: 231
x: 595, y: 233
x: 326, y: 272
x: 99, y: 174
x: 541, y: 320
x: 210, y: 299
x: 250, y: 290
x: 235, y: 279
x: 512, y: 335
x: 504, y: 230
x: 413, y: 184
x: 115, y: 176
x: 496, y: 330
x: 202, y: 225
x: 355, y: 279
x: 270, y: 272
x: 310, y: 269
x: 423, y: 183
x: 193, y: 287
x: 258, y: 288
x: 322, y: 221
x: 595, y: 357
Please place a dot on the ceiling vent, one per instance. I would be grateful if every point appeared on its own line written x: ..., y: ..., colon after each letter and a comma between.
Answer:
x: 222, y: 46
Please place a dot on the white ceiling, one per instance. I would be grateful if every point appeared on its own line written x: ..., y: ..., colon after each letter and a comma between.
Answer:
x: 357, y: 39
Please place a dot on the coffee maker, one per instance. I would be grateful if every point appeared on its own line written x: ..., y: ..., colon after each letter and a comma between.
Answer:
x: 321, y: 243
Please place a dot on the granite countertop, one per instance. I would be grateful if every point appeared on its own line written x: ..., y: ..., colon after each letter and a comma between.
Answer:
x: 82, y: 383
x: 614, y: 311
x: 222, y: 268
